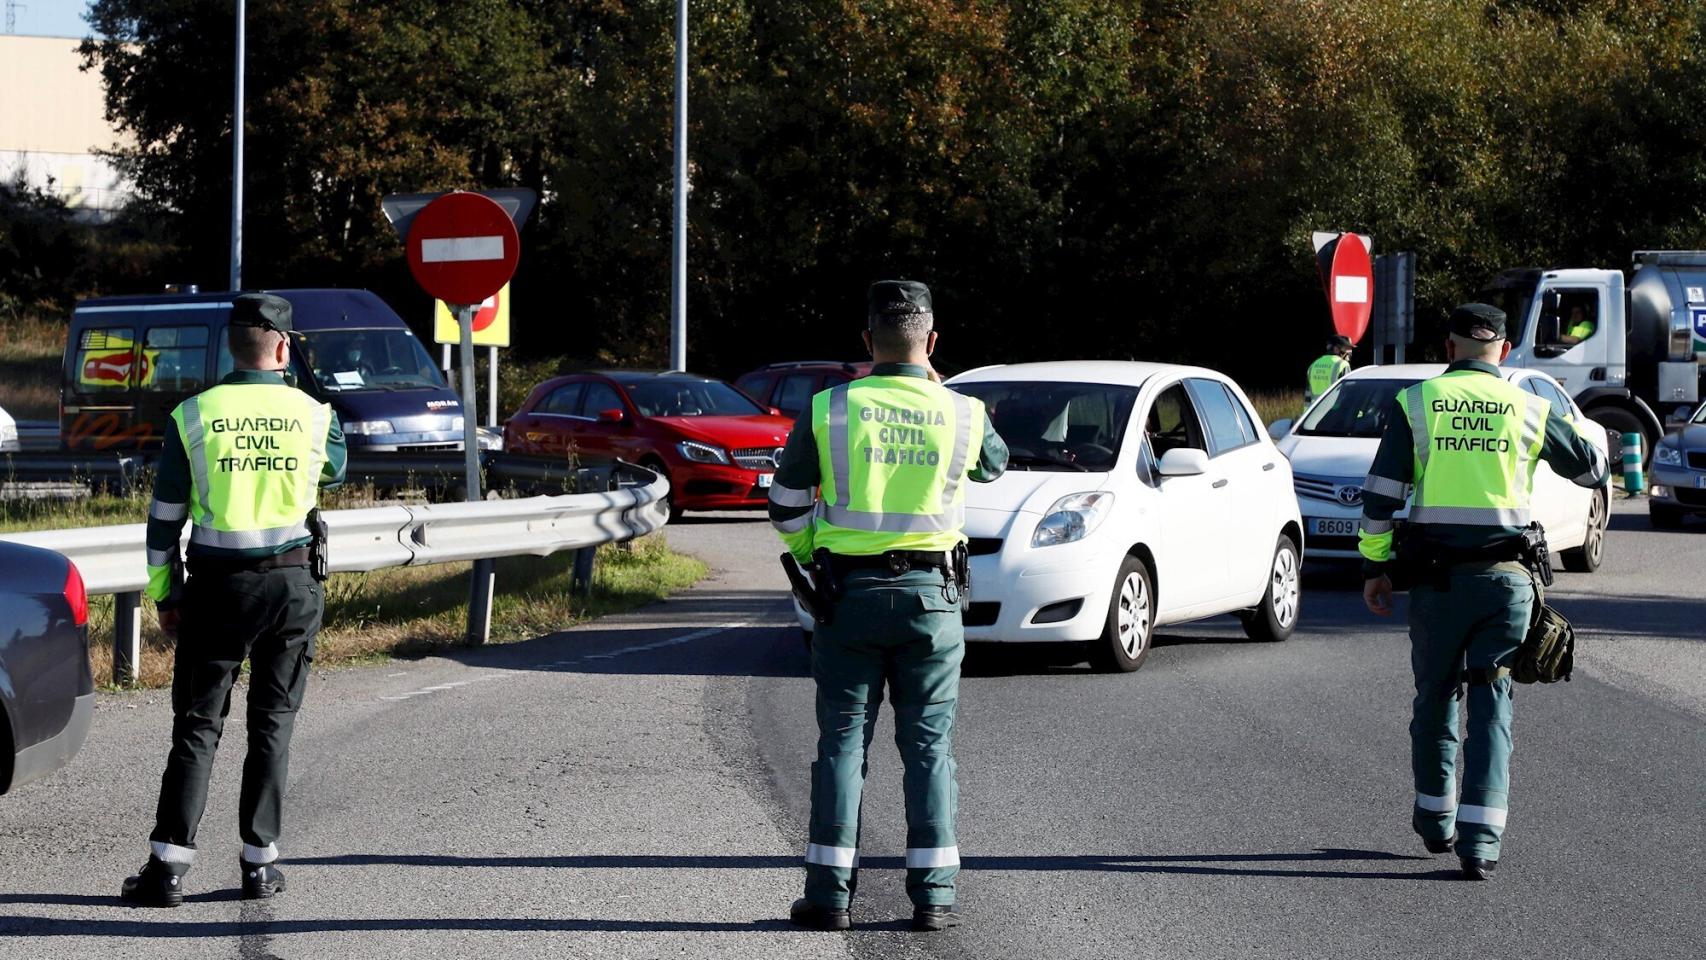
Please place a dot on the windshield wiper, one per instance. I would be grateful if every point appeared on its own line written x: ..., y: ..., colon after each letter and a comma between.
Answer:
x: 1035, y: 460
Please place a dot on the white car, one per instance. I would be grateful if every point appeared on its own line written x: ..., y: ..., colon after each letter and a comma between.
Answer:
x: 1332, y: 446
x: 1137, y: 495
x: 8, y: 433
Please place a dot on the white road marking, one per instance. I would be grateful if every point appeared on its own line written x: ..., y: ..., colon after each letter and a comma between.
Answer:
x: 710, y: 631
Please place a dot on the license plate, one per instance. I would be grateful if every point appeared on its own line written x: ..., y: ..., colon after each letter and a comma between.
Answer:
x: 1700, y: 483
x: 764, y: 480
x: 1326, y: 527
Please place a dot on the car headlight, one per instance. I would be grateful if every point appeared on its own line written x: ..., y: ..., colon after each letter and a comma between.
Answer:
x: 367, y: 428
x: 1073, y: 518
x: 697, y: 452
x: 1666, y: 456
x: 456, y: 424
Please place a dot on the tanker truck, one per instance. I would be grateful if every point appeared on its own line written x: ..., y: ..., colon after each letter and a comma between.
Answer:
x: 1626, y: 348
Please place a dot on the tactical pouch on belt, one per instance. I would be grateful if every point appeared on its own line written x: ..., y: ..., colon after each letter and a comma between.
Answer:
x: 319, y: 564
x: 1548, y: 652
x: 807, y: 590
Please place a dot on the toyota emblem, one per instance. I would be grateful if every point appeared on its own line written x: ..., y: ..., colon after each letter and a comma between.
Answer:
x: 1349, y: 495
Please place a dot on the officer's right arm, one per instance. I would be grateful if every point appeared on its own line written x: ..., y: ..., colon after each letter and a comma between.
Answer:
x: 793, y: 491
x: 166, y: 516
x: 1385, y: 490
x: 1568, y: 451
x: 992, y: 456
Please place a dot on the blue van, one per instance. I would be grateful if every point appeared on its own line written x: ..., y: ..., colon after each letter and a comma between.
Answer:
x: 130, y: 360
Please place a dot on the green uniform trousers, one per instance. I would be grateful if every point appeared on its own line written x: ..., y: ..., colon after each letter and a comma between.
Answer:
x: 1477, y: 620
x: 270, y: 618
x: 904, y: 632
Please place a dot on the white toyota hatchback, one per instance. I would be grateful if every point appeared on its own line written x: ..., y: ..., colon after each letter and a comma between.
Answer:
x: 1137, y: 495
x: 1332, y: 446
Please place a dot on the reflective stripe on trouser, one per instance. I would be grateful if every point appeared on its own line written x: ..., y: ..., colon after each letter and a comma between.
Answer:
x: 1480, y: 620
x: 905, y: 630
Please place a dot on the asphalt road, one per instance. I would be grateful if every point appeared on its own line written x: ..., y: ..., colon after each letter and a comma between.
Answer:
x: 638, y: 789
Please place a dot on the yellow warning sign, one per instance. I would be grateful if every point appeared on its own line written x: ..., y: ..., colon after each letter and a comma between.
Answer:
x: 491, y: 322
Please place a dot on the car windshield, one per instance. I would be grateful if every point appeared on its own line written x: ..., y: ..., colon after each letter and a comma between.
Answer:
x: 682, y: 397
x: 1057, y: 426
x: 1353, y: 408
x: 379, y: 358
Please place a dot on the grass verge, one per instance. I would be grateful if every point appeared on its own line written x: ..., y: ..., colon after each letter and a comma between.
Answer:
x: 30, y: 352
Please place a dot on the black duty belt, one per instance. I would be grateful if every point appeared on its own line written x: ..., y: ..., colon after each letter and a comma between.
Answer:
x: 894, y: 561
x: 206, y: 565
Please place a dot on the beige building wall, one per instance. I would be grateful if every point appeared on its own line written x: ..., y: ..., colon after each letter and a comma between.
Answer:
x: 53, y: 119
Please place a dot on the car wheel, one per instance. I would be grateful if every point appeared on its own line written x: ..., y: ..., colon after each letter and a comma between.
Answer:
x: 1130, y: 628
x: 669, y: 500
x: 1276, y: 617
x: 1586, y: 558
x: 1663, y: 516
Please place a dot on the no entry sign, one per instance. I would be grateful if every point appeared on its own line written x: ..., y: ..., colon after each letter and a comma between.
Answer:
x: 462, y: 248
x: 1349, y: 275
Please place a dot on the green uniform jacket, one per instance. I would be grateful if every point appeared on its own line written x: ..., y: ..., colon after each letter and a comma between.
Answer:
x: 798, y: 468
x: 172, y: 487
x: 1387, y: 488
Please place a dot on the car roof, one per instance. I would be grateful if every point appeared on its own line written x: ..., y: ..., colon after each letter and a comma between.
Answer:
x: 1427, y: 371
x: 1117, y: 372
x: 643, y: 376
x: 848, y: 366
x: 312, y: 308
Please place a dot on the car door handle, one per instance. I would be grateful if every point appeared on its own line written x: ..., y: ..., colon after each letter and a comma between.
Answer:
x: 1266, y: 467
x: 1221, y: 483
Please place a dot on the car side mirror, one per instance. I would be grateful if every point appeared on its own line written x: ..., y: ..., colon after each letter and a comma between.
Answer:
x: 1549, y: 303
x: 1279, y: 428
x: 613, y: 415
x: 775, y: 411
x: 1184, y: 462
x: 1549, y: 329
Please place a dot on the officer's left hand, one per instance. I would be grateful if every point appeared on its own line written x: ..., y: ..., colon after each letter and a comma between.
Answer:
x: 1377, y: 594
x: 169, y: 620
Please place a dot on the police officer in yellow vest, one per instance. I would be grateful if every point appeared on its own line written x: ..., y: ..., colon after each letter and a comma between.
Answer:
x: 1330, y: 367
x: 872, y: 486
x: 1462, y: 448
x: 243, y: 463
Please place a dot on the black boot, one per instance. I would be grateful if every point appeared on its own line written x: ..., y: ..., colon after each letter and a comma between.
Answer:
x: 806, y: 914
x: 1440, y: 846
x: 157, y: 884
x: 1475, y: 868
x: 935, y: 917
x: 261, y: 881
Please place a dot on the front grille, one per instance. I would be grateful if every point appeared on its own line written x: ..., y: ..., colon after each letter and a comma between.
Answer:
x: 982, y: 614
x: 983, y: 546
x: 1318, y: 488
x: 1692, y: 498
x: 1697, y: 459
x: 758, y: 458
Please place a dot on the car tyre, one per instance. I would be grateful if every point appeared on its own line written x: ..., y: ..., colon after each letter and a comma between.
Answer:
x: 1664, y: 516
x: 1276, y: 617
x: 669, y: 500
x: 1618, y: 421
x: 1130, y: 628
x: 1587, y: 557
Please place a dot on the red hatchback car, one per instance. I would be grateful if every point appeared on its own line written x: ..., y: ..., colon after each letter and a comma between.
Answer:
x: 717, y: 447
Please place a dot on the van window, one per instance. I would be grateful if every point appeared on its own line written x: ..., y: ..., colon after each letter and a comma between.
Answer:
x: 105, y: 359
x: 377, y: 358
x: 176, y: 359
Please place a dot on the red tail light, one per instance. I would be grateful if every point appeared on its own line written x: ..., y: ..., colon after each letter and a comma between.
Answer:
x: 75, y: 596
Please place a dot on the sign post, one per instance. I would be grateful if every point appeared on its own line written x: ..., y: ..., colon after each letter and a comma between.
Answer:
x: 462, y: 249
x: 491, y: 330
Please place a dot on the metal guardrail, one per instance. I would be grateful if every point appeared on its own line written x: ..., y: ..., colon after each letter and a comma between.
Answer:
x: 38, y: 434
x: 112, y: 558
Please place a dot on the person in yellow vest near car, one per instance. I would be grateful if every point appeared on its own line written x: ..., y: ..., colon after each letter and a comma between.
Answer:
x: 1329, y: 368
x: 870, y: 494
x: 1462, y: 449
x: 243, y: 463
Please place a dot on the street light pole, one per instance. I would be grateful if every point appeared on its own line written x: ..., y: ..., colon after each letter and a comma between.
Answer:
x: 237, y: 155
x: 678, y: 265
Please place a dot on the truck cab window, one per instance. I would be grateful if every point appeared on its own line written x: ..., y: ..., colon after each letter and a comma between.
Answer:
x: 1578, y: 316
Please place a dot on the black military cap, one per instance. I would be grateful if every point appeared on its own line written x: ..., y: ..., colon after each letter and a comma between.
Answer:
x: 1340, y: 342
x: 261, y: 310
x: 899, y: 298
x: 1478, y: 321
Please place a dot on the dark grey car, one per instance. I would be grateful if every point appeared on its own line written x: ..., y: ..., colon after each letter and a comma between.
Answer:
x: 1679, y: 473
x: 47, y: 694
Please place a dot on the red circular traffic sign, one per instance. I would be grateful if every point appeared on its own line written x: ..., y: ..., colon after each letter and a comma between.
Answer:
x: 1350, y: 287
x: 462, y: 248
